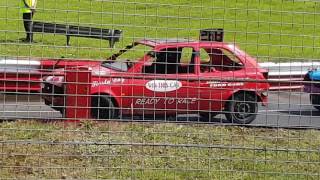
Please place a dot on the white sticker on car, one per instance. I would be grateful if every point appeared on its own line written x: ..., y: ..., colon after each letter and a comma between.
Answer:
x: 169, y: 101
x: 107, y: 82
x: 214, y: 84
x: 163, y: 85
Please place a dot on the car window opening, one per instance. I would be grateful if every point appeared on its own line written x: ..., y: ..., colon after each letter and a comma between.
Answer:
x: 219, y: 60
x: 125, y: 58
x: 172, y: 61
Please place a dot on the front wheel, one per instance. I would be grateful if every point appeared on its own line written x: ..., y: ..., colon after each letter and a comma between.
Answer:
x: 242, y: 108
x: 315, y: 100
x: 103, y: 107
x: 60, y: 108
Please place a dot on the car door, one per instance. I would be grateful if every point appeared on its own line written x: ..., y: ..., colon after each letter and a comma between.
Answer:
x: 166, y: 86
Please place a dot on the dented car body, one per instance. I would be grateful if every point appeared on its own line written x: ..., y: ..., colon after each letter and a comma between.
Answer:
x: 170, y: 77
x: 312, y: 86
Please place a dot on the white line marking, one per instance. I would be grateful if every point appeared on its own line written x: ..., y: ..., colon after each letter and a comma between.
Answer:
x: 278, y: 110
x: 292, y: 64
x: 19, y: 62
x: 302, y: 72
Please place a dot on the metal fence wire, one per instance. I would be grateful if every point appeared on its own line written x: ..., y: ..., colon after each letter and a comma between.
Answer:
x: 112, y: 89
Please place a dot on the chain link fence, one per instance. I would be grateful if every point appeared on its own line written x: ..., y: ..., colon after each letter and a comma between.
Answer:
x: 107, y: 89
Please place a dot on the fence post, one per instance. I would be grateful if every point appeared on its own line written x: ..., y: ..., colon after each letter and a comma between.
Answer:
x: 78, y: 99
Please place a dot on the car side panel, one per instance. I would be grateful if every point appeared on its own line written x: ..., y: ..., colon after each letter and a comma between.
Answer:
x: 113, y: 86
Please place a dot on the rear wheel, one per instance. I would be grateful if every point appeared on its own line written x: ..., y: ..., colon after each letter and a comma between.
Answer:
x: 242, y: 108
x: 315, y: 100
x: 103, y: 108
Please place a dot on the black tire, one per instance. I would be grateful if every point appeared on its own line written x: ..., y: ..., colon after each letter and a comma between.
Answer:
x: 46, y: 102
x: 103, y: 107
x: 242, y: 108
x: 57, y: 108
x: 61, y: 110
x: 315, y: 100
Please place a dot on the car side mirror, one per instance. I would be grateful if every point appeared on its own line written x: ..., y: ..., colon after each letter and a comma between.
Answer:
x: 151, y: 54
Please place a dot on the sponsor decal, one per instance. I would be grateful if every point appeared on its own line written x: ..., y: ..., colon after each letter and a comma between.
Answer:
x: 163, y: 85
x: 224, y: 84
x: 107, y: 82
x: 152, y: 101
x: 55, y: 80
x: 147, y: 101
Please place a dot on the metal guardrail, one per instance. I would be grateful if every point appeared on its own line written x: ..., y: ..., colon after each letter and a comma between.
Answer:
x: 25, y: 75
x: 288, y: 76
x: 112, y: 35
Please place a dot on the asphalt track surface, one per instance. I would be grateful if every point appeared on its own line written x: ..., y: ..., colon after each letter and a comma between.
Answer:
x: 285, y: 109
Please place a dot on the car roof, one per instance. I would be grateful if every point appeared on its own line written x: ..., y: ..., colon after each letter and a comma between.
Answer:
x: 175, y: 41
x: 156, y: 42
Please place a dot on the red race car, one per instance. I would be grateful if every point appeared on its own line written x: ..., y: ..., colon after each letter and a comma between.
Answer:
x: 170, y: 77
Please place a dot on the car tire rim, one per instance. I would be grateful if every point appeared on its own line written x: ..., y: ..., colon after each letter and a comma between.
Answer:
x: 243, y: 110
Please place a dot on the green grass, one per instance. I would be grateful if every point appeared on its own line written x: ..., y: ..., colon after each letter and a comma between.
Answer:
x: 93, y: 150
x: 271, y: 30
